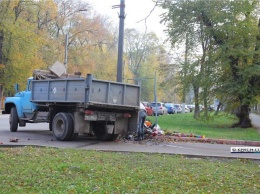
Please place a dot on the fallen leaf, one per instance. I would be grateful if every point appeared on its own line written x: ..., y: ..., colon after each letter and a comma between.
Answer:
x: 14, y: 140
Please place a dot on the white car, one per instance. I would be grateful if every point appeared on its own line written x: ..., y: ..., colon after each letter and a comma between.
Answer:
x: 159, y: 108
x: 187, y: 109
x: 177, y: 108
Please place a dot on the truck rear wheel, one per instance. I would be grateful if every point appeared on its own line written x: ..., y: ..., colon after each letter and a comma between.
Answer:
x: 74, y: 135
x: 101, y: 133
x: 13, y: 120
x: 51, y: 117
x: 62, y: 126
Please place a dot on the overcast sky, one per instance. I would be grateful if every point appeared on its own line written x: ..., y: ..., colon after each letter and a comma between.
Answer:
x: 136, y: 10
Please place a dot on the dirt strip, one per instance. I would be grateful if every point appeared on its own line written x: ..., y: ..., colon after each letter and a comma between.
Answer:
x: 207, y: 140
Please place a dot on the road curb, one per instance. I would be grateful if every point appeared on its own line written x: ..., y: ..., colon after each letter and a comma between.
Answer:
x: 216, y: 157
x: 209, y: 140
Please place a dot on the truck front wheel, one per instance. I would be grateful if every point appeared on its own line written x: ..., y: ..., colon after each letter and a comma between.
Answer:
x: 62, y: 126
x: 13, y: 120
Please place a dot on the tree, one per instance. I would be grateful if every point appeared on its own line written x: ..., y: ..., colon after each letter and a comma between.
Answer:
x: 91, y: 39
x: 232, y: 28
x: 32, y: 35
x: 190, y: 37
x: 238, y: 41
x: 19, y: 44
x: 144, y: 56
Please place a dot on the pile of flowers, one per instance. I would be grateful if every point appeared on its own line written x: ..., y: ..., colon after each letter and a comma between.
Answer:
x: 177, y: 134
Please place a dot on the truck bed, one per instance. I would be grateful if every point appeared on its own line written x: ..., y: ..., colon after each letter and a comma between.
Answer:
x: 89, y: 91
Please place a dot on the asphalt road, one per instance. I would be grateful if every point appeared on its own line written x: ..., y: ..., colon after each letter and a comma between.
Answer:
x: 39, y: 135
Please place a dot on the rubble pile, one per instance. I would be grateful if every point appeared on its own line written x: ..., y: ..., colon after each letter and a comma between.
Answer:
x: 56, y: 71
x: 154, y: 130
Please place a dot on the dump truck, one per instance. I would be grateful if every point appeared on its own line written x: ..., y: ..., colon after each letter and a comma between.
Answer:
x: 75, y: 105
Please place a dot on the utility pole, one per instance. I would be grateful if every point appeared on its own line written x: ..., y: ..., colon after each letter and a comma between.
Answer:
x: 155, y: 98
x: 120, y: 41
x: 185, y: 74
x: 66, y: 54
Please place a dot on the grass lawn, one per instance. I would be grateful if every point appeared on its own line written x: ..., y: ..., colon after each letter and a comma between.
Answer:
x: 219, y: 127
x: 49, y: 170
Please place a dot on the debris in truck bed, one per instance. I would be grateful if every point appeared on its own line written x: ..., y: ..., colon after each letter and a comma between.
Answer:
x: 47, y: 74
x: 43, y: 74
x: 57, y: 70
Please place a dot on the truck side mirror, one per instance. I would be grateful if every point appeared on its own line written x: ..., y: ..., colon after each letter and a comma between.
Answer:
x: 16, y: 87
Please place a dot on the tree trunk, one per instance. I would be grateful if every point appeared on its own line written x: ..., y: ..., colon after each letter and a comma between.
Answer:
x: 205, y: 101
x: 1, y: 96
x: 196, y: 99
x: 243, y: 117
x: 256, y: 107
x: 218, y: 108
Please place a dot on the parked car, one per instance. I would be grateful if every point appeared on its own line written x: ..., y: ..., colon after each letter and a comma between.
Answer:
x: 191, y: 107
x: 187, y: 110
x: 177, y: 108
x: 170, y: 108
x: 158, y: 108
x: 148, y: 108
x: 210, y: 108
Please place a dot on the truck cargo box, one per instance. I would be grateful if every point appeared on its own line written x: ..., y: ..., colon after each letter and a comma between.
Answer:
x: 89, y: 91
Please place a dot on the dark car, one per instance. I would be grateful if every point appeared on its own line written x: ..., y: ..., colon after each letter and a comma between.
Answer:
x: 170, y: 108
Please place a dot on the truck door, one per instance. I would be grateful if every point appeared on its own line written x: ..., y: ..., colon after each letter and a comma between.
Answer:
x: 27, y: 105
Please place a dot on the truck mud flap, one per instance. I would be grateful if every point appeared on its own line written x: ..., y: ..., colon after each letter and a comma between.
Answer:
x: 104, y: 131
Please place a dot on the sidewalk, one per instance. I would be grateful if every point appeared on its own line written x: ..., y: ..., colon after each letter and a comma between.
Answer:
x: 255, y: 119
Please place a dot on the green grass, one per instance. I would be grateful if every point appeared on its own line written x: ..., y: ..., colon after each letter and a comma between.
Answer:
x: 219, y: 127
x: 49, y: 170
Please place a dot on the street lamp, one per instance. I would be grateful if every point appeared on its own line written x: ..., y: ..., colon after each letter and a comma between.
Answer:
x: 67, y: 42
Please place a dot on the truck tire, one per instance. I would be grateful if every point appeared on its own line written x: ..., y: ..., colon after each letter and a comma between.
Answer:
x: 112, y: 137
x: 74, y: 135
x: 50, y: 126
x: 13, y: 120
x: 100, y: 131
x: 62, y: 126
x: 51, y: 117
